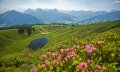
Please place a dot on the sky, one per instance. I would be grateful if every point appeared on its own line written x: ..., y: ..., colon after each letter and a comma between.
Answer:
x: 93, y: 5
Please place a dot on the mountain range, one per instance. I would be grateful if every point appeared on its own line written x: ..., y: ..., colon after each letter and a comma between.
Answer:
x: 102, y: 18
x: 51, y: 15
x: 33, y: 16
x: 11, y: 18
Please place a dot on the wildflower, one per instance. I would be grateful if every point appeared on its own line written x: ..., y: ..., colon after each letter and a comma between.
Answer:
x: 97, y: 66
x: 54, y: 54
x: 48, y: 53
x: 62, y: 50
x: 100, y: 43
x: 43, y: 56
x: 89, y: 61
x: 82, y: 66
x: 89, y: 51
x: 33, y: 69
x: 43, y: 65
x: 55, y: 62
x: 71, y: 55
x: 88, y: 46
x: 65, y: 59
x: 47, y: 62
x: 77, y: 46
x: 61, y: 57
x: 68, y: 50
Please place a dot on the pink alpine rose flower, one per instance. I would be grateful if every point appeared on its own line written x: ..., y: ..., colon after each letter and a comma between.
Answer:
x: 43, y: 65
x: 62, y: 50
x: 65, y: 59
x: 77, y: 46
x: 55, y: 62
x: 43, y: 56
x: 97, y: 66
x: 82, y: 66
x: 61, y: 57
x: 54, y: 54
x: 88, y: 46
x: 68, y: 50
x: 71, y: 55
x: 33, y: 69
x: 48, y: 53
x: 89, y: 61
x: 47, y: 62
x: 90, y: 49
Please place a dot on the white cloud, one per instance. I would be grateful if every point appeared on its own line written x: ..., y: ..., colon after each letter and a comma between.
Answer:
x: 117, y: 1
x: 21, y: 5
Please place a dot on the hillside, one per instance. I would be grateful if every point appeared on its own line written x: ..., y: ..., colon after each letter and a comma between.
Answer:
x: 104, y: 38
x: 11, y: 18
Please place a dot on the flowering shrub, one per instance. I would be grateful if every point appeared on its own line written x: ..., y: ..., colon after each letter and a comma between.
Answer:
x: 77, y: 58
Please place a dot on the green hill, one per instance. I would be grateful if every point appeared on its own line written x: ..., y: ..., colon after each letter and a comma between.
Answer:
x: 17, y: 58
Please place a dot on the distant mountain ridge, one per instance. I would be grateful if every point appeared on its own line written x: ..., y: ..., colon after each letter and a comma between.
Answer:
x: 16, y: 18
x: 51, y: 15
x: 33, y: 16
x: 84, y: 14
x: 114, y: 15
x: 73, y: 17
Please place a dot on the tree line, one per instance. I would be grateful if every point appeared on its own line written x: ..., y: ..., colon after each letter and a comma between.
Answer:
x: 26, y: 29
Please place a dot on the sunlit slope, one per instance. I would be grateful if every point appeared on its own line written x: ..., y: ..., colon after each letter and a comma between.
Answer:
x: 11, y: 41
x: 61, y: 37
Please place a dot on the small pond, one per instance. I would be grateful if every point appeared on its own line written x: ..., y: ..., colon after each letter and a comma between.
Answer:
x: 38, y: 43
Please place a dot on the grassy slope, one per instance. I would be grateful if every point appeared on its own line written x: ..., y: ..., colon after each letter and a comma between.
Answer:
x: 11, y: 41
x: 61, y: 37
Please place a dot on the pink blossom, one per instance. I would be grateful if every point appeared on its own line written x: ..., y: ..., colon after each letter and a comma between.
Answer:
x: 47, y: 62
x: 33, y: 69
x: 88, y: 46
x: 48, y: 53
x: 68, y: 50
x: 89, y: 51
x: 43, y: 56
x: 71, y: 55
x: 62, y: 50
x: 43, y: 65
x: 82, y: 65
x: 65, y: 59
x: 55, y: 62
x: 100, y: 42
x: 89, y: 61
x: 61, y: 57
x: 54, y: 54
x: 97, y: 66
x: 77, y: 46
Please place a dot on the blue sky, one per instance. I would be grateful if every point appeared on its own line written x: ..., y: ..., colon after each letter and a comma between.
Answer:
x: 94, y: 5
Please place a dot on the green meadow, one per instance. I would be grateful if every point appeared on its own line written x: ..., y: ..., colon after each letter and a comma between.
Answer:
x: 16, y: 57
